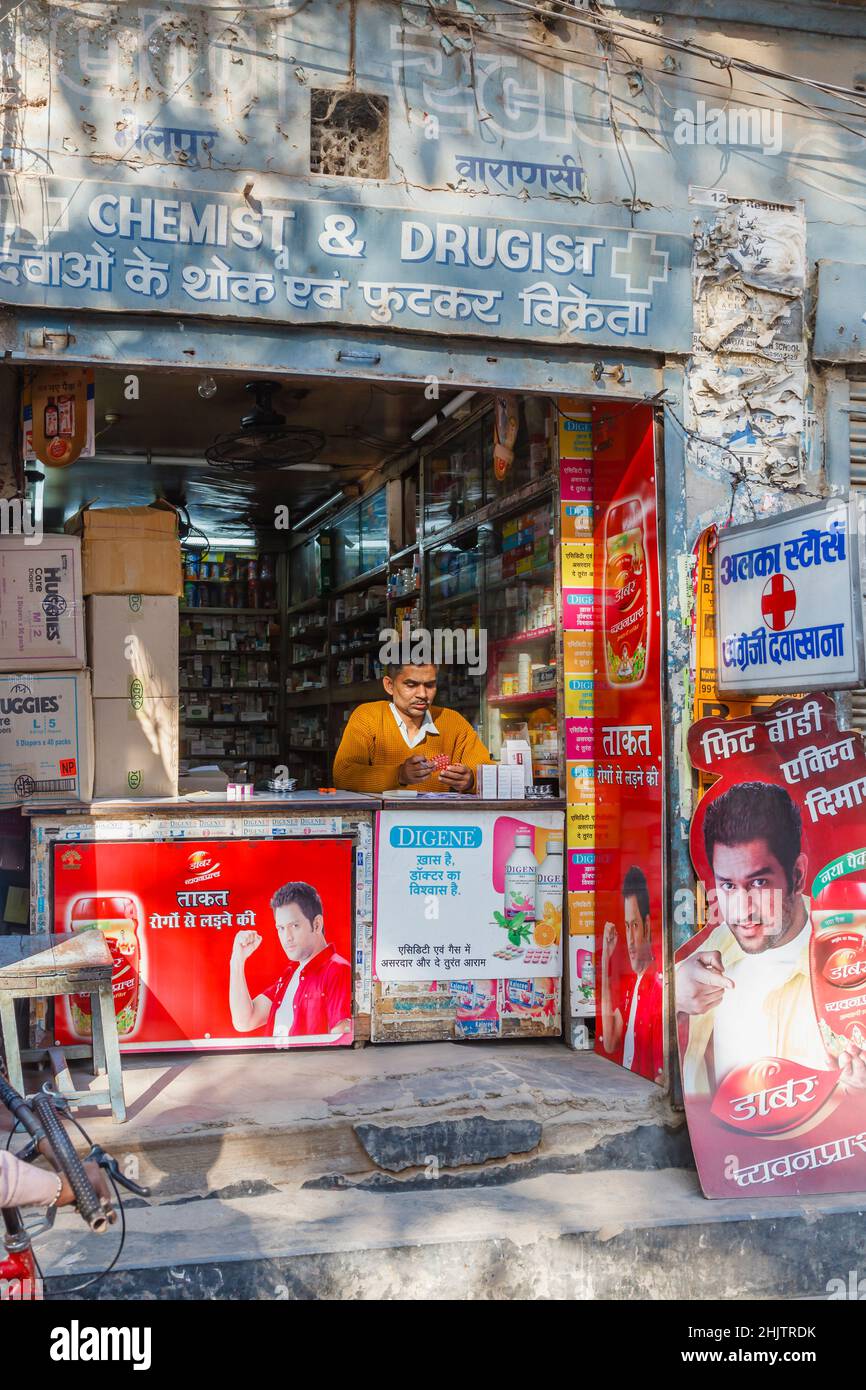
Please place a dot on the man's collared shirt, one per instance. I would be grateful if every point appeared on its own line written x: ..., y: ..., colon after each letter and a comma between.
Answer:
x: 642, y: 1010
x: 413, y: 739
x: 322, y: 994
x: 787, y: 1013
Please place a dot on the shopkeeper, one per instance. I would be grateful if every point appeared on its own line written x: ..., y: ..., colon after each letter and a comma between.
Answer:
x: 393, y: 743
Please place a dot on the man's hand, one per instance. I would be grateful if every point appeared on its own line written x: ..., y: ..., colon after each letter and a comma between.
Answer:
x: 457, y: 777
x: 245, y: 943
x: 608, y: 942
x: 100, y: 1182
x: 415, y: 769
x: 852, y: 1064
x: 701, y: 983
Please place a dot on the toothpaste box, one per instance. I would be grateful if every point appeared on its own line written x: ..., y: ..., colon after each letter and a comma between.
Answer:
x: 41, y: 605
x: 46, y: 737
x: 477, y: 1012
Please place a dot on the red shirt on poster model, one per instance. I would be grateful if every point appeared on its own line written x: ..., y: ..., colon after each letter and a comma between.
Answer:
x: 324, y: 996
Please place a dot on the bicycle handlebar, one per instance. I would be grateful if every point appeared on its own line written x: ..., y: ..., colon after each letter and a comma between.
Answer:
x: 87, y: 1199
x: 20, y: 1109
x: 43, y: 1123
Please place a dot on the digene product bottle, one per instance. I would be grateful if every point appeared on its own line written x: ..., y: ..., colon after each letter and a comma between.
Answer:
x: 117, y: 919
x: 548, y: 895
x: 521, y: 871
x: 626, y: 595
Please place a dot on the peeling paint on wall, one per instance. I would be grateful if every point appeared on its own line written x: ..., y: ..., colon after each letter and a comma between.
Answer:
x: 747, y: 380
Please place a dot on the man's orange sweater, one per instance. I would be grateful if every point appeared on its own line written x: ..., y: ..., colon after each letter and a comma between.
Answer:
x: 373, y: 747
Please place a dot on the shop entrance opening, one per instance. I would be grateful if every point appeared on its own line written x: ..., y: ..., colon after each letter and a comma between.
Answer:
x: 320, y: 520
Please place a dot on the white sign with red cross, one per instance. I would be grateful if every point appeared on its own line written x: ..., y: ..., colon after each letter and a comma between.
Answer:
x: 788, y: 602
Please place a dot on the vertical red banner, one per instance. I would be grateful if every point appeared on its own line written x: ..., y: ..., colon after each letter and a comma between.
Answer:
x: 628, y: 735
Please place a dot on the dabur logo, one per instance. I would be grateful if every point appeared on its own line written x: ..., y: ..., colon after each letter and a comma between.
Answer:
x: 846, y: 967
x: 77, y: 1343
x: 70, y: 859
x: 201, y: 867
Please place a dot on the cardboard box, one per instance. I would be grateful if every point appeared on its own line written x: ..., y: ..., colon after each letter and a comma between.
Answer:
x: 136, y: 746
x: 485, y: 776
x: 46, y: 737
x: 544, y: 678
x: 129, y: 550
x: 41, y: 605
x: 516, y: 752
x: 133, y: 642
x: 509, y: 782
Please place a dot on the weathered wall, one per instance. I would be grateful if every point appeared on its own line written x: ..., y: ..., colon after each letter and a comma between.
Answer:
x: 521, y: 119
x: 644, y: 123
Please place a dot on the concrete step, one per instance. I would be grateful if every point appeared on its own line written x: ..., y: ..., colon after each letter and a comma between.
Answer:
x: 610, y: 1234
x: 477, y: 1114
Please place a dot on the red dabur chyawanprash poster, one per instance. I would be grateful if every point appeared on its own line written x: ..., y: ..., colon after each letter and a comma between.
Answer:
x: 771, y: 993
x: 216, y: 943
x: 628, y: 736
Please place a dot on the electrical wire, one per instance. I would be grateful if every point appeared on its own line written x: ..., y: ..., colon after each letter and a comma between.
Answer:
x: 623, y: 29
x: 738, y: 478
x: 602, y: 27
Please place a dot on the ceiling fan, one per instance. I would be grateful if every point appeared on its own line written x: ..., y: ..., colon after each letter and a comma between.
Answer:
x: 264, y: 440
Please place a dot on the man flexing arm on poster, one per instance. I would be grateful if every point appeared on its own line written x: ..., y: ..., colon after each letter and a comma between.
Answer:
x: 314, y: 996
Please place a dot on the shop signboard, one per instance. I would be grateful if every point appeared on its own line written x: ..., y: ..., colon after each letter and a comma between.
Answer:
x: 788, y: 604
x: 89, y: 245
x: 628, y: 736
x: 208, y: 952
x: 469, y: 895
x: 771, y: 991
x: 707, y: 701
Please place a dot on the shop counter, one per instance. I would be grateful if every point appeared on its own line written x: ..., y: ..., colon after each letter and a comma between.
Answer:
x: 175, y: 882
x: 469, y: 918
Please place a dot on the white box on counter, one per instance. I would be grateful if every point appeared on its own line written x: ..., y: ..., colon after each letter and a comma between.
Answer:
x: 46, y: 737
x: 41, y: 605
x: 510, y: 782
x: 516, y: 752
x: 132, y: 638
x: 136, y: 744
x: 486, y: 780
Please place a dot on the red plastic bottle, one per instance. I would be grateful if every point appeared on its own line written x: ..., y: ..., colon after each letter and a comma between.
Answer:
x: 626, y: 600
x: 838, y: 961
x: 117, y: 919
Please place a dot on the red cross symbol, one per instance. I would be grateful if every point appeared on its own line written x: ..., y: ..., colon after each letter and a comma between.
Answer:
x: 778, y: 602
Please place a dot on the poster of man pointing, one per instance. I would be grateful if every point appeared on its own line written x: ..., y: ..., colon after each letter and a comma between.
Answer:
x: 771, y: 992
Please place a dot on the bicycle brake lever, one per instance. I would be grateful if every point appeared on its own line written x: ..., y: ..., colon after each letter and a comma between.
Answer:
x: 37, y: 1226
x: 106, y: 1161
x: 58, y: 1099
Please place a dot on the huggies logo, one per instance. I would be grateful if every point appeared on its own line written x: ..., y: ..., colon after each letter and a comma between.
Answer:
x: 750, y: 127
x: 77, y: 1343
